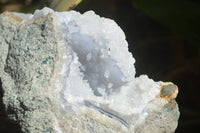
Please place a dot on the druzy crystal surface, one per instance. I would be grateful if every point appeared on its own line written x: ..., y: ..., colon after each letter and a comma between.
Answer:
x: 80, y: 76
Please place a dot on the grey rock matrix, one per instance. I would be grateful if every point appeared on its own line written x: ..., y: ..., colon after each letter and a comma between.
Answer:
x: 27, y: 57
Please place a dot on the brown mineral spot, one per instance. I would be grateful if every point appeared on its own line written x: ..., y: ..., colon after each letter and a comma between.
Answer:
x: 12, y: 16
x: 171, y: 104
x: 169, y: 91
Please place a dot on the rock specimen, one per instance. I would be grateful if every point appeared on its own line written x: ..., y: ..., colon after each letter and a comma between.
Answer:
x: 67, y: 72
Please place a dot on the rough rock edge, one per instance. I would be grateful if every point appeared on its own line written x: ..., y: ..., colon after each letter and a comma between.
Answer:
x: 163, y: 118
x: 26, y: 68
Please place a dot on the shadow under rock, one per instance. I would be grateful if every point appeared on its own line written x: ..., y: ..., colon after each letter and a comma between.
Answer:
x: 6, y: 125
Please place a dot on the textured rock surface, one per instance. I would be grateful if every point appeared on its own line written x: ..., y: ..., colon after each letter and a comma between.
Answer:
x: 67, y: 72
x: 28, y: 54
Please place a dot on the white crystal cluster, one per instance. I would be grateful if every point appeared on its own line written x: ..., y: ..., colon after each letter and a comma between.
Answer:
x: 100, y: 67
x: 95, y: 73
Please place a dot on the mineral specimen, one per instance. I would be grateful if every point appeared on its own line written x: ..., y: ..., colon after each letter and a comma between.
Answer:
x: 67, y: 72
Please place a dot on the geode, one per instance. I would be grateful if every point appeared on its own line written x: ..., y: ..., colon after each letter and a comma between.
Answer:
x: 67, y: 72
